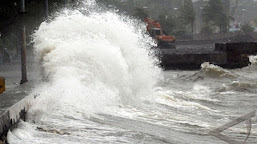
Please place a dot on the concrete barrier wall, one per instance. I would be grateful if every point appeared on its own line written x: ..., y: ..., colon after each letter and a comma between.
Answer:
x: 222, y: 36
x: 198, y: 39
x: 215, y: 37
x: 13, y: 106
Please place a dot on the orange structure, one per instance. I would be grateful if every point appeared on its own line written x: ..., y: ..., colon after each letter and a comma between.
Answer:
x: 2, y: 85
x: 156, y: 32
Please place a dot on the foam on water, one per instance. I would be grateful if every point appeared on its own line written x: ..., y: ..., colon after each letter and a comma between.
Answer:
x: 215, y: 71
x: 253, y: 60
x: 170, y: 100
x: 90, y: 62
x: 101, y: 62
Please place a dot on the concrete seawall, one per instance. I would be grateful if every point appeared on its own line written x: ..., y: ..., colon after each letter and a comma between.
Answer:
x: 188, y: 57
x: 13, y: 106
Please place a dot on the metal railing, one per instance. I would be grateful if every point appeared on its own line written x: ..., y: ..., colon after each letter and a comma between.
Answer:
x: 247, y: 118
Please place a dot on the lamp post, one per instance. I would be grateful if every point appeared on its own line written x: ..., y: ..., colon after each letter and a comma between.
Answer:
x: 23, y: 44
x: 65, y: 3
x: 1, y: 49
x: 46, y: 11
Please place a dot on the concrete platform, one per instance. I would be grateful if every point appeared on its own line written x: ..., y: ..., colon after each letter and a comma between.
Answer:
x: 13, y: 106
x: 226, y: 55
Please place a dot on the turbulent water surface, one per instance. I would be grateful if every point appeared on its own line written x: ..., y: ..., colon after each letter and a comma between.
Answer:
x: 100, y: 83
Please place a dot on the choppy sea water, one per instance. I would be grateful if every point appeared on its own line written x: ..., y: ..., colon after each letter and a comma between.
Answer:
x: 99, y: 82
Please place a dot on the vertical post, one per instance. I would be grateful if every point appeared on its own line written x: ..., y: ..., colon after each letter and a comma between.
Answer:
x: 17, y: 43
x: 1, y: 51
x: 1, y: 44
x: 23, y: 56
x: 46, y: 11
x: 65, y: 3
x: 22, y: 6
x: 23, y: 45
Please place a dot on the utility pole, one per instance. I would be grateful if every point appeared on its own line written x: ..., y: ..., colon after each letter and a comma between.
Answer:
x: 65, y: 3
x: 23, y: 44
x: 22, y: 7
x: 46, y: 11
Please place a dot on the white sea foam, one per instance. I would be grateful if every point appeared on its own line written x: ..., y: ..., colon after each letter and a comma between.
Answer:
x: 93, y: 61
x: 253, y: 60
x: 90, y: 62
x: 101, y: 62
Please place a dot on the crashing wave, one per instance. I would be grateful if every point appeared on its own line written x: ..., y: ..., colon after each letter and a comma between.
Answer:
x: 215, y: 71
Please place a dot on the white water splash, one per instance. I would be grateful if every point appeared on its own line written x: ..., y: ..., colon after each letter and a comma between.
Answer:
x: 215, y: 71
x: 94, y: 61
x: 253, y: 60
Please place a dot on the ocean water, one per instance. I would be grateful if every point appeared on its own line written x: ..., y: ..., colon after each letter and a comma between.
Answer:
x: 99, y: 82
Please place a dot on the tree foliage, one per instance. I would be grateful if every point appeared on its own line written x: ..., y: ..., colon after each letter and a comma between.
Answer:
x: 161, y: 10
x: 167, y: 23
x: 215, y: 15
x: 140, y: 13
x: 255, y: 21
x: 188, y: 14
x: 206, y: 30
x: 247, y: 28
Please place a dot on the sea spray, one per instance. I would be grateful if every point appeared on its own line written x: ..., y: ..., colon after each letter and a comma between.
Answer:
x: 89, y: 70
x: 93, y: 61
x: 215, y: 71
x: 253, y: 60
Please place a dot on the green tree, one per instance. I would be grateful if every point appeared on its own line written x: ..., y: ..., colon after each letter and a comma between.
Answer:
x: 233, y: 10
x: 187, y: 14
x: 140, y: 13
x: 247, y: 28
x: 215, y: 15
x: 255, y: 21
x: 206, y: 30
x: 167, y: 23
